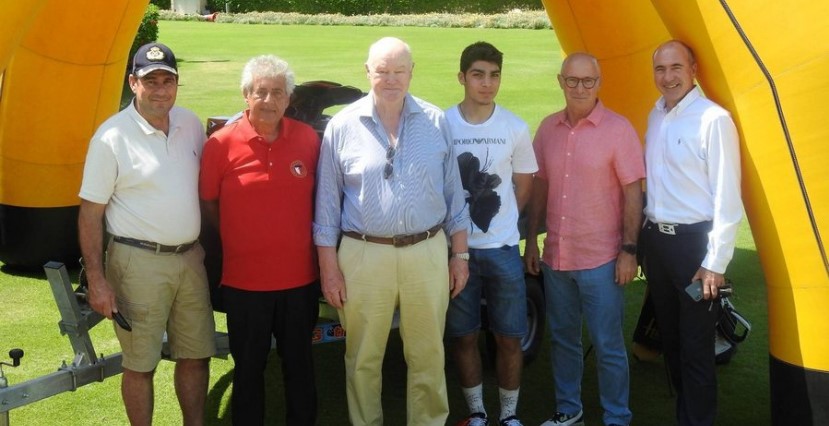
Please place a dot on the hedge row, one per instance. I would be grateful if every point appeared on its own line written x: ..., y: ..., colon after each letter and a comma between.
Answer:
x: 533, y: 19
x: 369, y: 7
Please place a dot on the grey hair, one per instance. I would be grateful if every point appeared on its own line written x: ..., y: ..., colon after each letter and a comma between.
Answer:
x: 267, y: 66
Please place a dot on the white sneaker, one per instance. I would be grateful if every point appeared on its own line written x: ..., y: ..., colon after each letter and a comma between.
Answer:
x: 561, y: 419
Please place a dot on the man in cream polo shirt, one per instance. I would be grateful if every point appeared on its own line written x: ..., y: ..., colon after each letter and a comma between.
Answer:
x: 141, y: 179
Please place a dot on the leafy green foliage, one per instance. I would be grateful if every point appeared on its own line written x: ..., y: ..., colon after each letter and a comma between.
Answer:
x: 162, y: 4
x: 147, y: 31
x: 526, y: 19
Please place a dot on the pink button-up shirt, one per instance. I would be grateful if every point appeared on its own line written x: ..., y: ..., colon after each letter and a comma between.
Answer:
x: 585, y: 167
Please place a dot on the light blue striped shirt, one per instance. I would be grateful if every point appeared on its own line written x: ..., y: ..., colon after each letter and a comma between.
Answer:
x: 352, y: 193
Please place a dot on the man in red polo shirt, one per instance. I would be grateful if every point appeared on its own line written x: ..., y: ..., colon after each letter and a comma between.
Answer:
x: 256, y: 185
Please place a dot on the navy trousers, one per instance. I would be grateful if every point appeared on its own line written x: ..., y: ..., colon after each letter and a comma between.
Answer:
x: 686, y: 327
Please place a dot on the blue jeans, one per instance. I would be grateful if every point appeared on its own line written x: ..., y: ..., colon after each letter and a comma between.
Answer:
x: 497, y: 273
x: 593, y: 295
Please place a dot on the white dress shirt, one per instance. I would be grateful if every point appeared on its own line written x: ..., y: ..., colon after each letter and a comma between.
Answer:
x: 692, y: 156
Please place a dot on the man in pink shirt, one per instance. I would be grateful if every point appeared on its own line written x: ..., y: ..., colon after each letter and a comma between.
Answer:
x: 590, y: 167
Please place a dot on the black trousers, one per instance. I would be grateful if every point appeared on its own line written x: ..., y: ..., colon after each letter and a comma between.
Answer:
x: 252, y: 318
x: 686, y: 327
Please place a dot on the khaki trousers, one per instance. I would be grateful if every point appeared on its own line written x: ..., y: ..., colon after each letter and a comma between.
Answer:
x: 378, y: 279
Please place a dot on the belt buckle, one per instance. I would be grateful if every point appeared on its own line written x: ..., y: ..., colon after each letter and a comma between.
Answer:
x: 402, y: 240
x: 667, y: 228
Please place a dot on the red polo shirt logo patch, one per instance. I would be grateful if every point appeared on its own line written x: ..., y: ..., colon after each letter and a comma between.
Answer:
x: 298, y: 169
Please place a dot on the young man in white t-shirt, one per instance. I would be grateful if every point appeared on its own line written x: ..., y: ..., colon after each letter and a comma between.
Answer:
x: 496, y: 160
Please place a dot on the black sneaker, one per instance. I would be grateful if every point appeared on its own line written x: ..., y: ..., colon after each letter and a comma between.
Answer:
x: 561, y: 419
x: 474, y: 419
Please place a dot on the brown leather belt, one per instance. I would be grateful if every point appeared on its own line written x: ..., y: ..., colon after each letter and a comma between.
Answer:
x: 397, y: 240
x: 156, y: 247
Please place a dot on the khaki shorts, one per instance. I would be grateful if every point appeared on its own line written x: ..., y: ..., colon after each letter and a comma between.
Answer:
x: 158, y: 293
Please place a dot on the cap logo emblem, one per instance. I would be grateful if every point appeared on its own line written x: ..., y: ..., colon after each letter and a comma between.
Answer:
x: 155, y: 54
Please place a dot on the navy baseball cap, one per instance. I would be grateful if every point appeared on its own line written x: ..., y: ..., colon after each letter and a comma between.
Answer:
x: 151, y: 57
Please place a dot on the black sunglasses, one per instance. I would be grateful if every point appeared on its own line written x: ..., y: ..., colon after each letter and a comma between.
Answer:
x: 389, y: 169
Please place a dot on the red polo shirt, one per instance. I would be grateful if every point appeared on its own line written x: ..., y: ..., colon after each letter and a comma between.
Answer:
x: 265, y: 194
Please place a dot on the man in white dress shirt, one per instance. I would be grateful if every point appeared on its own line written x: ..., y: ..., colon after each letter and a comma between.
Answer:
x: 693, y: 211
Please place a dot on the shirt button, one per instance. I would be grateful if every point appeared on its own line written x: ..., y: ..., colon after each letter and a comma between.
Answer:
x: 562, y: 218
x: 270, y: 164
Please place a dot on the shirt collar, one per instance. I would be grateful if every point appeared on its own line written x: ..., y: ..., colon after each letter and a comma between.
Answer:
x: 688, y: 99
x: 367, y: 109
x: 595, y: 116
x: 246, y: 130
x: 145, y: 125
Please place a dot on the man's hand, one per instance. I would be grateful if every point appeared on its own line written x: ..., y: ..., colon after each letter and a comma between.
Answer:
x: 331, y: 277
x: 333, y: 287
x: 101, y: 297
x: 532, y: 261
x: 711, y: 282
x: 458, y: 274
x: 626, y: 268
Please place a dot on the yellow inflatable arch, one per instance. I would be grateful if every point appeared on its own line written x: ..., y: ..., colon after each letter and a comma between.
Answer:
x: 766, y: 61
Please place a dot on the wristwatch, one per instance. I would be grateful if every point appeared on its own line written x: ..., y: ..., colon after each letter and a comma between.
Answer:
x: 629, y: 248
x: 461, y: 256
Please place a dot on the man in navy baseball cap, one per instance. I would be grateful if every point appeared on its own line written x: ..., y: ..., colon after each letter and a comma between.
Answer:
x: 151, y: 57
x: 140, y: 188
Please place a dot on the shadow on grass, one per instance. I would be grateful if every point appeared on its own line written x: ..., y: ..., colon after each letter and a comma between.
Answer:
x: 743, y: 384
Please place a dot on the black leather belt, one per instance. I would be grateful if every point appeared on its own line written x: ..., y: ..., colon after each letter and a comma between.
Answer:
x: 397, y: 240
x: 680, y: 228
x: 156, y: 247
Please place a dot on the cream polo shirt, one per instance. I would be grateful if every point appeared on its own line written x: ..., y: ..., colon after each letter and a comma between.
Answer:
x: 148, y: 180
x: 692, y: 154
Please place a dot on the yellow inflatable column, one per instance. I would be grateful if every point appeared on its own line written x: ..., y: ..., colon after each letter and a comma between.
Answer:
x: 61, y: 82
x: 784, y: 134
x: 15, y: 21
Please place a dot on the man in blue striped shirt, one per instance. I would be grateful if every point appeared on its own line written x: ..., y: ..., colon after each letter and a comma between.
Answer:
x: 388, y: 184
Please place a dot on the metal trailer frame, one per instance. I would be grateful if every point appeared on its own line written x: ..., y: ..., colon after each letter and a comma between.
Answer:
x: 89, y: 367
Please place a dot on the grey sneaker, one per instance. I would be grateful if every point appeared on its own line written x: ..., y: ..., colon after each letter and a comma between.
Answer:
x: 561, y: 419
x: 511, y: 421
x: 474, y: 419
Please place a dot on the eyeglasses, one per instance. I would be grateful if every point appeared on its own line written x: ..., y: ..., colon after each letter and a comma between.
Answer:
x: 587, y: 82
x: 389, y: 169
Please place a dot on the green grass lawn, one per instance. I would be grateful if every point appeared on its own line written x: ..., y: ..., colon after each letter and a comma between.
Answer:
x: 211, y: 58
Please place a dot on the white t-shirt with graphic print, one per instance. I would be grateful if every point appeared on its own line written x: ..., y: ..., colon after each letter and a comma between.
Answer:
x: 488, y: 154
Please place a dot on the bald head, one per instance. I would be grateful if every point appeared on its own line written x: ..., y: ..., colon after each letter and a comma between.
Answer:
x: 389, y: 48
x: 580, y: 60
x: 678, y: 45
